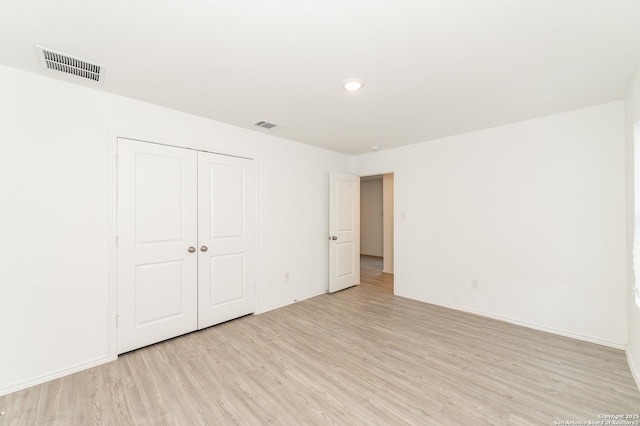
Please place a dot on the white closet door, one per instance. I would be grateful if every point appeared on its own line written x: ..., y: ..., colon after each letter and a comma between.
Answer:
x: 226, y: 238
x: 157, y: 274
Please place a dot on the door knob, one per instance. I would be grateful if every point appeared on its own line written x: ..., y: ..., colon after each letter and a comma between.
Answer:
x: 191, y: 249
x: 334, y: 238
x: 204, y: 248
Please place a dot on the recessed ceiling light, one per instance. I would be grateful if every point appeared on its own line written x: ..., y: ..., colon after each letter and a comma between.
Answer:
x: 352, y: 84
x: 374, y: 147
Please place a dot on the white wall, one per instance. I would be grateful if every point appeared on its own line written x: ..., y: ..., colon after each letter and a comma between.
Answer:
x: 633, y: 321
x: 388, y: 218
x: 535, y: 211
x: 56, y: 304
x: 371, y: 226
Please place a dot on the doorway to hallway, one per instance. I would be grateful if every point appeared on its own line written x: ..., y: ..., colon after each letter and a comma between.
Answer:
x: 377, y: 229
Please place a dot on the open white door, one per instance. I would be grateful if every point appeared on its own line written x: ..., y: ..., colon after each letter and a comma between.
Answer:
x: 344, y: 229
x: 226, y: 238
x: 157, y: 235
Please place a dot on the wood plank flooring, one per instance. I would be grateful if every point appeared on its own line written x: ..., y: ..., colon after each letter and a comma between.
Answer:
x: 360, y: 356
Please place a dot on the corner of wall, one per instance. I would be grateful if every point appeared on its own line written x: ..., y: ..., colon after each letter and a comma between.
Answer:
x: 632, y: 116
x: 633, y: 367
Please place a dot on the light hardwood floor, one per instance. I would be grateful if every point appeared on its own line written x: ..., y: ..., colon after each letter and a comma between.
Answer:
x: 360, y: 356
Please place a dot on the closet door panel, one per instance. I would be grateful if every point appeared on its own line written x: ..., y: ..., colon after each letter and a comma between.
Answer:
x: 226, y: 238
x: 157, y: 275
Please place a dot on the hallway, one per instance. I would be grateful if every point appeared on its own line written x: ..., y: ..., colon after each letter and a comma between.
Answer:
x: 371, y: 273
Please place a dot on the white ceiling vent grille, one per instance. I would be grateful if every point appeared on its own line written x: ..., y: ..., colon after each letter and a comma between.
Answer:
x: 265, y: 125
x: 50, y: 59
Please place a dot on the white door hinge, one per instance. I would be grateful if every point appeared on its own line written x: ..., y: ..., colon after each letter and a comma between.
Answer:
x: 117, y: 317
x: 117, y: 240
x: 117, y: 160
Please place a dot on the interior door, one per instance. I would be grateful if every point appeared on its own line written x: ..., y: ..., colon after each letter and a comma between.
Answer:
x: 344, y: 228
x: 157, y: 235
x: 226, y: 238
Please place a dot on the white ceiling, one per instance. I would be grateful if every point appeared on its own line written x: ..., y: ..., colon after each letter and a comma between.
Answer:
x: 431, y: 68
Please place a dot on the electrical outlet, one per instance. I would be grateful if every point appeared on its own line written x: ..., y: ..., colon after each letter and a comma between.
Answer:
x: 286, y: 276
x: 475, y: 284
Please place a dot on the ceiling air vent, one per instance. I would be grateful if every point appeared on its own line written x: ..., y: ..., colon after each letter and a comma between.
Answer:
x: 265, y: 125
x: 50, y: 59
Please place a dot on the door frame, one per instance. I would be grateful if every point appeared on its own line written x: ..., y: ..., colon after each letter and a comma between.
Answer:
x: 112, y: 169
x: 395, y: 217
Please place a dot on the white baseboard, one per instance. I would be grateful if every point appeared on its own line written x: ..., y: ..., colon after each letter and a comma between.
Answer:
x: 103, y: 360
x: 282, y: 305
x: 55, y: 375
x: 634, y: 368
x: 517, y: 322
